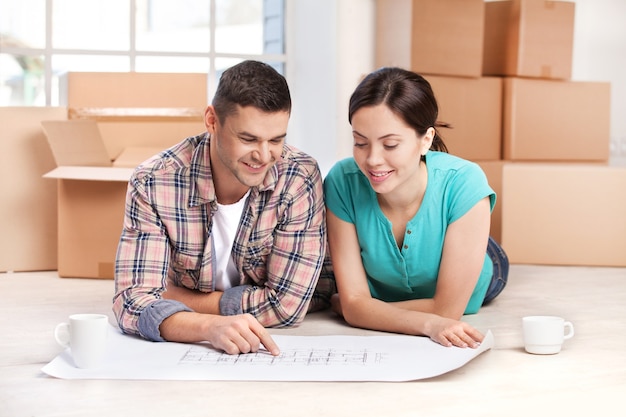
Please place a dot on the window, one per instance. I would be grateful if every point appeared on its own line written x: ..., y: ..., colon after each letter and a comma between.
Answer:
x: 42, y: 39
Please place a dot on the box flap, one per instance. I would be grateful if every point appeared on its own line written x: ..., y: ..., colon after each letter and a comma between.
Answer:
x: 135, y: 155
x: 76, y: 143
x: 90, y: 173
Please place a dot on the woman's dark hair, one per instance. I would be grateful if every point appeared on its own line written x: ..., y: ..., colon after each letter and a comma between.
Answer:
x: 407, y: 94
x: 251, y: 83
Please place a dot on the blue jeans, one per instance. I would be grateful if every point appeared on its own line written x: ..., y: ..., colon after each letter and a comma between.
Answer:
x: 500, y: 270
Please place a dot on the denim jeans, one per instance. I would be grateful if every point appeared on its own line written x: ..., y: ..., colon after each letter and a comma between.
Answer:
x: 500, y: 270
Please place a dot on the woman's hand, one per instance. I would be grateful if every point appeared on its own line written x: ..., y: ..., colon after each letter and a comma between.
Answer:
x: 448, y: 332
x: 445, y: 331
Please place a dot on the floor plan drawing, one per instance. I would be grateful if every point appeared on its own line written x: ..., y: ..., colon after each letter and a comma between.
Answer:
x: 302, y: 358
x: 199, y: 355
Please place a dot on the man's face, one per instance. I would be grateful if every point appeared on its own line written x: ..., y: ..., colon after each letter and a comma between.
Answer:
x: 245, y: 146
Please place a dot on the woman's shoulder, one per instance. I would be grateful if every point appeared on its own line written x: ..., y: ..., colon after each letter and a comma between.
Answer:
x: 343, y: 169
x: 443, y: 161
x: 345, y: 183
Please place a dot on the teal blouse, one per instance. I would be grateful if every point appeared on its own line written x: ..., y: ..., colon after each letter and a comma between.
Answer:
x: 454, y: 187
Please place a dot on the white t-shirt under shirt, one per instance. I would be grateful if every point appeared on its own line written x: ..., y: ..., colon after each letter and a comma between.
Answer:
x: 225, y: 224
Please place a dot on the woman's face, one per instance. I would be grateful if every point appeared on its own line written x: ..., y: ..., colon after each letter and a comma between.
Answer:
x: 386, y: 149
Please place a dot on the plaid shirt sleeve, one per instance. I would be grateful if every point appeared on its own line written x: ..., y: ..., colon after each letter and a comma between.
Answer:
x: 292, y: 259
x: 141, y: 263
x: 326, y: 286
x: 159, y: 219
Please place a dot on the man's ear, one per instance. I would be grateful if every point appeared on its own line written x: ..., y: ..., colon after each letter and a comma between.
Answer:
x: 210, y: 119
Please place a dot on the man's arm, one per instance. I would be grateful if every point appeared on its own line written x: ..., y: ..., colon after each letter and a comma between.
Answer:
x: 296, y: 255
x: 140, y: 268
x: 198, y: 301
x: 326, y: 287
x: 140, y: 280
x: 232, y: 334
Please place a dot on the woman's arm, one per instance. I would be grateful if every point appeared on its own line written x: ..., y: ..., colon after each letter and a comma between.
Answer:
x: 462, y: 260
x: 361, y: 310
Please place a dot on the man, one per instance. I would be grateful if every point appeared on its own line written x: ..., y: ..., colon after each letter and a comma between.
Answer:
x: 224, y: 234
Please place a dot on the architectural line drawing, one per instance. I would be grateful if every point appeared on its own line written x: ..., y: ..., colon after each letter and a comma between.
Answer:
x: 302, y: 358
x: 197, y: 355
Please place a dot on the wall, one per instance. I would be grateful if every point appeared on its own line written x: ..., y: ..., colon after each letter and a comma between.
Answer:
x: 330, y: 49
x: 600, y: 55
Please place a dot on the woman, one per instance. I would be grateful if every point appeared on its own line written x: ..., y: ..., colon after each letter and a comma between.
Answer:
x: 408, y: 224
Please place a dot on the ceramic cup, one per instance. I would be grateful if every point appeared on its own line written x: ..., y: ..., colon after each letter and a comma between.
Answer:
x: 544, y: 335
x: 85, y: 335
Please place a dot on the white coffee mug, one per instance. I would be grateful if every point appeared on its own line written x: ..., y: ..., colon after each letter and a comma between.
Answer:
x: 544, y: 335
x: 85, y: 335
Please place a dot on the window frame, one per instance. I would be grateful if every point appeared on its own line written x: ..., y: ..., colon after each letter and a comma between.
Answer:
x: 48, y: 52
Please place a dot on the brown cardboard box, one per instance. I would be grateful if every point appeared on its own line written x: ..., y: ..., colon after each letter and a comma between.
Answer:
x: 91, y: 196
x: 443, y: 37
x: 28, y: 212
x: 564, y: 214
x: 493, y: 171
x: 134, y: 89
x: 473, y: 106
x: 91, y: 214
x: 550, y: 120
x: 137, y: 109
x: 117, y: 121
x: 79, y: 143
x: 529, y: 38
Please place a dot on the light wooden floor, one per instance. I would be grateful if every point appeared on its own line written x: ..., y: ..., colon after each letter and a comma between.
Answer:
x: 588, y: 377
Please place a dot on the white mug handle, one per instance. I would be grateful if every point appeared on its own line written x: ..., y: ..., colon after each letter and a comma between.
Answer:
x: 570, y: 327
x: 62, y: 334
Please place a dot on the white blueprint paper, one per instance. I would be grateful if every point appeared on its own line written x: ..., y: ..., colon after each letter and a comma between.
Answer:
x: 302, y: 358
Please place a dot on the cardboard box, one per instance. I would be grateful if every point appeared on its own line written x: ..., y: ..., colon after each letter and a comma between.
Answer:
x: 133, y: 89
x: 28, y: 212
x: 137, y: 109
x: 117, y: 121
x: 473, y: 106
x: 441, y: 37
x: 549, y: 120
x: 79, y: 143
x: 91, y: 215
x: 493, y: 171
x: 564, y: 214
x: 91, y: 196
x: 529, y: 38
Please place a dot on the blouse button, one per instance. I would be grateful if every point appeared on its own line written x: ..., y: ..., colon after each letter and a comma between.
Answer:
x: 408, y: 232
x: 406, y: 246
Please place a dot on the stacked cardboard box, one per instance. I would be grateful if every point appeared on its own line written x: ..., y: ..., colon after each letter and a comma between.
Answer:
x: 518, y: 114
x: 443, y: 40
x: 561, y: 200
x: 28, y: 212
x: 116, y: 121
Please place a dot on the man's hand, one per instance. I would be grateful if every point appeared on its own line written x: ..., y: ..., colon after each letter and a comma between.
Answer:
x: 240, y: 334
x: 232, y: 334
